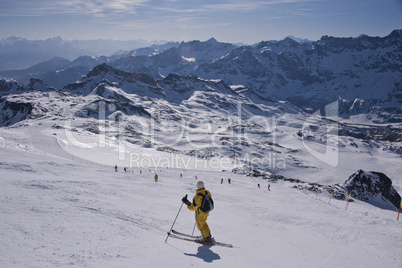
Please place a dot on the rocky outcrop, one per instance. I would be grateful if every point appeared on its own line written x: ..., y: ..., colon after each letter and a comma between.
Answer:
x: 374, y: 188
x: 13, y: 112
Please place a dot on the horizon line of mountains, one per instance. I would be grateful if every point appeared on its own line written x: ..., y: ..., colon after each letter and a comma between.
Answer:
x: 362, y: 73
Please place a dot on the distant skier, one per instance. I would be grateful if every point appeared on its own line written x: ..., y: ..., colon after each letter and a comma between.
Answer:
x: 259, y: 186
x: 222, y: 181
x: 269, y: 187
x: 156, y: 177
x: 115, y: 168
x: 200, y: 216
x: 229, y: 181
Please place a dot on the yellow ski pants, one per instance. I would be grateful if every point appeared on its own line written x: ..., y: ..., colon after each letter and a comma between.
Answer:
x: 201, y: 220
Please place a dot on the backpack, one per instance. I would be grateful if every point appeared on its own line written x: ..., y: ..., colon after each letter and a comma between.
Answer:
x: 207, y: 204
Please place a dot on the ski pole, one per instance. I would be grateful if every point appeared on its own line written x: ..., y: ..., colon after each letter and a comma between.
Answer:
x: 174, y: 222
x: 194, y: 228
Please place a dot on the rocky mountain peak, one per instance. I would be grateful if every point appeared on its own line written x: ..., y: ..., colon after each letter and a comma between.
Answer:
x: 104, y: 70
x: 8, y: 85
x: 37, y: 84
x: 212, y: 41
x: 101, y: 70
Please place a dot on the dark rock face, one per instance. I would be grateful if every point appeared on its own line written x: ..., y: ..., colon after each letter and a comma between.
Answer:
x: 104, y: 69
x: 373, y: 187
x: 13, y: 112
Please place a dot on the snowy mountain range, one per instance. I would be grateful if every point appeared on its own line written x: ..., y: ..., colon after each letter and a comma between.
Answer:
x: 19, y: 53
x: 363, y: 73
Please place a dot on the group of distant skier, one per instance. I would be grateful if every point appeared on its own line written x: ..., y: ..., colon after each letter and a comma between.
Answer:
x: 116, y: 169
x: 229, y: 181
x: 269, y: 186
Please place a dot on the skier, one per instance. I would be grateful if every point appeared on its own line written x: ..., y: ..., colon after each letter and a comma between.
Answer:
x: 115, y: 168
x: 156, y: 177
x: 200, y: 216
x: 221, y: 180
x: 269, y: 187
x: 258, y: 185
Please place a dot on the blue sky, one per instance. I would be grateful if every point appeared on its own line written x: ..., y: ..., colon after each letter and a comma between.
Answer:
x: 246, y: 21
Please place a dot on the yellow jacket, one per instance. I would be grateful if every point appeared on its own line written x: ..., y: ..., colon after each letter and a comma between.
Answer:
x: 197, y: 200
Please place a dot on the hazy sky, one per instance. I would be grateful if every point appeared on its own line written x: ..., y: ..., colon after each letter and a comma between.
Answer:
x: 246, y: 21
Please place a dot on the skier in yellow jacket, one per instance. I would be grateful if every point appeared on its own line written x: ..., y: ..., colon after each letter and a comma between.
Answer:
x: 200, y: 216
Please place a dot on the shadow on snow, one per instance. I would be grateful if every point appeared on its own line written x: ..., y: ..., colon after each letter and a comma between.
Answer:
x: 205, y: 253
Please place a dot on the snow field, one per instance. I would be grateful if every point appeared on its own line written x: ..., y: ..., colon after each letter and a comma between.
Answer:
x: 58, y: 210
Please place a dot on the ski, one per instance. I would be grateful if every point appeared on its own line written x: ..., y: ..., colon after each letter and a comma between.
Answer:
x: 183, y: 237
x: 222, y: 244
x: 195, y: 240
x: 187, y: 235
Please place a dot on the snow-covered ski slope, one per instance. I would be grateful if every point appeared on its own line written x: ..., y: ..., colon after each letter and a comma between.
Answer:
x: 58, y: 210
